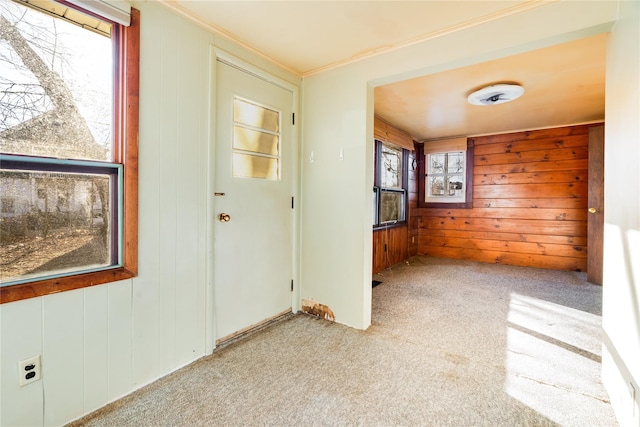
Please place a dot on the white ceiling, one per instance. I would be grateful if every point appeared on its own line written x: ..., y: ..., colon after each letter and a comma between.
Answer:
x: 563, y: 84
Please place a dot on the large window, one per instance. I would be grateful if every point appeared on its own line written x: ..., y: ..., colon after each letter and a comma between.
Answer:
x: 390, y: 185
x: 68, y: 148
x: 446, y: 168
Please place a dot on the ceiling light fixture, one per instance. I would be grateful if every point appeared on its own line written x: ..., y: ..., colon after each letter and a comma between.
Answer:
x: 495, y: 94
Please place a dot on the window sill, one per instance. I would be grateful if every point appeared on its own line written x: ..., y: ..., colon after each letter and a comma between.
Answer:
x: 39, y: 288
x: 390, y: 225
x: 445, y: 205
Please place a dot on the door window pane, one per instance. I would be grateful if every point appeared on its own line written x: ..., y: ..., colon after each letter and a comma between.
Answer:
x: 256, y: 141
x: 251, y: 166
x: 254, y: 115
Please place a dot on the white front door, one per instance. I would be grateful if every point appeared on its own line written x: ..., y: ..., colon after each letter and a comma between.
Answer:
x: 253, y: 233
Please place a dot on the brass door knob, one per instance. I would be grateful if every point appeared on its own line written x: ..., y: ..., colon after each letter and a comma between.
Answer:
x: 223, y: 217
x: 593, y: 210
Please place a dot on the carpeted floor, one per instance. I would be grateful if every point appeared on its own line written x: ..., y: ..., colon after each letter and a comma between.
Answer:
x: 452, y: 343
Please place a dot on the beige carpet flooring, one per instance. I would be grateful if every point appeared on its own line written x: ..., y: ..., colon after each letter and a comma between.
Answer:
x: 453, y: 343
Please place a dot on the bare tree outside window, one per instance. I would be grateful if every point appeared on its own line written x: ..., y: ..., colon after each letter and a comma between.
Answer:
x: 55, y: 102
x: 391, y: 166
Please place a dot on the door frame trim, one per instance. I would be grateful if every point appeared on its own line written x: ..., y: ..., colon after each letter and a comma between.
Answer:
x: 218, y: 55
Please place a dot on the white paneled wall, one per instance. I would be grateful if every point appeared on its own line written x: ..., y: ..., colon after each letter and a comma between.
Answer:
x: 21, y: 329
x: 85, y: 339
x: 100, y: 343
x: 103, y: 342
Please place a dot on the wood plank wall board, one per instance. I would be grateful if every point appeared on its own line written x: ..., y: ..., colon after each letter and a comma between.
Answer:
x: 543, y: 202
x: 531, y: 134
x: 386, y: 132
x: 515, y: 146
x: 529, y: 203
x: 499, y: 257
x: 512, y: 237
x: 532, y: 167
x: 512, y: 213
x: 531, y: 178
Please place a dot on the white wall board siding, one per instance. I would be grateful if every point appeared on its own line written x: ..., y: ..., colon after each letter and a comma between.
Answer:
x: 168, y: 183
x: 146, y: 292
x: 20, y: 338
x: 120, y: 332
x: 62, y: 360
x: 96, y: 347
x: 192, y: 75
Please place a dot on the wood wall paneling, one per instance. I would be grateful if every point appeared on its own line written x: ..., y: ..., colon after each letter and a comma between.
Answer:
x: 529, y: 199
x: 386, y: 132
x: 389, y: 247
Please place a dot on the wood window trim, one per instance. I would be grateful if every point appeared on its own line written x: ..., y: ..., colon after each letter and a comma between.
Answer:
x: 126, y: 125
x: 422, y: 163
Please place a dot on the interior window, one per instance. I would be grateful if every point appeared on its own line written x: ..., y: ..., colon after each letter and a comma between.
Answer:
x: 66, y: 156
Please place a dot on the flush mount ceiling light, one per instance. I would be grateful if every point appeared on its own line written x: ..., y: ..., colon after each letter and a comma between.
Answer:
x: 495, y: 94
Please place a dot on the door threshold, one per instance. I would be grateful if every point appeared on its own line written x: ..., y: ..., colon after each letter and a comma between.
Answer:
x: 242, y: 333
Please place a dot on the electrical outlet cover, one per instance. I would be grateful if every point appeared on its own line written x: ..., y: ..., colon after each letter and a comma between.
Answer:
x: 29, y: 370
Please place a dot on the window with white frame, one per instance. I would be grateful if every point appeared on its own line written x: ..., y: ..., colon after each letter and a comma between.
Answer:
x: 68, y: 146
x: 445, y: 170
